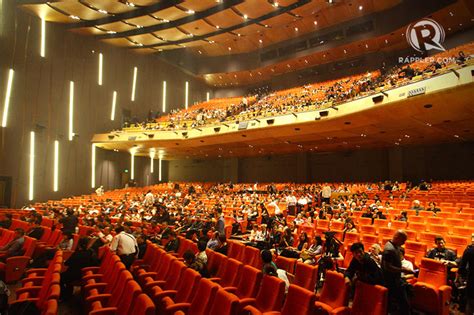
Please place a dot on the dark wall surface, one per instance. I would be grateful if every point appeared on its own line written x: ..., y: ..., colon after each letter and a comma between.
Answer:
x: 437, y: 162
x: 40, y: 96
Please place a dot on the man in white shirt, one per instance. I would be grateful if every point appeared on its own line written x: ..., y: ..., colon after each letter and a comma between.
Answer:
x: 100, y: 191
x: 326, y: 194
x: 149, y: 199
x: 125, y: 246
x: 291, y: 203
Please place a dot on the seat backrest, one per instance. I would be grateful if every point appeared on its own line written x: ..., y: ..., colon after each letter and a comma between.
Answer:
x: 305, y: 276
x: 119, y: 287
x: 131, y: 291
x: 287, y: 264
x: 216, y: 266
x: 298, y: 301
x: 249, y: 282
x: 232, y: 272
x: 50, y: 308
x: 187, y: 286
x: 433, y: 272
x: 174, y: 274
x: 236, y: 250
x: 271, y: 293
x: 224, y: 303
x: 29, y: 246
x: 46, y: 234
x: 335, y: 292
x: 143, y: 305
x: 206, y: 291
x: 250, y: 256
x: 375, y: 305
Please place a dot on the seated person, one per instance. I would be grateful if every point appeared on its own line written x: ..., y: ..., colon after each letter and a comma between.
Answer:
x: 223, y: 246
x: 36, y: 231
x: 309, y: 255
x: 173, y: 243
x: 440, y: 252
x: 362, y: 267
x: 270, y: 268
x: 7, y: 222
x: 406, y: 265
x: 81, y: 258
x: 15, y: 246
x: 375, y: 252
x: 192, y: 262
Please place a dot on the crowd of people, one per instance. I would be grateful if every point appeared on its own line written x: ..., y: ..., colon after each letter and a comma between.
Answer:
x: 202, y: 213
x: 309, y: 97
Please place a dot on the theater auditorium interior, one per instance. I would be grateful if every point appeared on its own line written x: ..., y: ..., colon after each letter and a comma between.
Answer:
x: 230, y: 157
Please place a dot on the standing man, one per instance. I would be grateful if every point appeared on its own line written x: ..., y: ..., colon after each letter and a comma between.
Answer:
x: 220, y: 227
x: 291, y: 203
x: 125, y: 246
x: 326, y: 194
x: 466, y: 270
x: 392, y: 270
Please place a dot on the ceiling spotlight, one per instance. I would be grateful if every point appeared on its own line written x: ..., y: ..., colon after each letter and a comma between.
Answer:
x: 238, y: 34
x: 218, y: 27
x: 345, y: 51
x: 360, y: 8
x: 456, y: 136
x: 296, y: 29
x: 260, y: 41
x: 229, y: 48
x: 330, y: 1
x: 111, y: 32
x: 366, y: 46
x: 275, y: 4
x: 246, y: 16
x: 103, y: 11
x: 190, y: 12
x: 130, y: 4
x: 74, y: 17
x: 315, y: 22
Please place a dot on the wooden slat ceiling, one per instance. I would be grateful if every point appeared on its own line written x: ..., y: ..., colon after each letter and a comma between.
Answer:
x: 454, y: 18
x: 228, y: 13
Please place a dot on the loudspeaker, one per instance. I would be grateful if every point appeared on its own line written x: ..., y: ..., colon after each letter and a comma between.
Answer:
x: 377, y: 99
x: 151, y: 135
x: 111, y: 137
x: 217, y: 129
x: 324, y: 113
x: 270, y: 121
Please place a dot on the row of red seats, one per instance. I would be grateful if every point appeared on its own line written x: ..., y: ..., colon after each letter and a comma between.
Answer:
x: 41, y: 287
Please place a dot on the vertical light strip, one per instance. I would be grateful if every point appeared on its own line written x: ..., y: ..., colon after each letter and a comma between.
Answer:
x: 56, y: 166
x: 164, y: 97
x: 43, y: 38
x: 101, y: 57
x: 152, y: 160
x: 114, y: 102
x: 6, y: 104
x: 186, y: 95
x: 208, y: 96
x: 134, y: 83
x: 93, y: 166
x: 159, y: 168
x: 32, y: 166
x: 71, y: 110
x: 132, y: 164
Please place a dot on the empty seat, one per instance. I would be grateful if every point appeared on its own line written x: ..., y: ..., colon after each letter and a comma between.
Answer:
x: 248, y: 283
x: 335, y: 294
x: 377, y: 304
x: 431, y: 294
x: 224, y: 303
x: 229, y: 274
x: 269, y: 297
x: 287, y: 264
x: 305, y: 276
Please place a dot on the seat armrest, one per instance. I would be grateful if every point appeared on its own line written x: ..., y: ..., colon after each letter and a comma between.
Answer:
x: 215, y: 279
x: 247, y: 301
x: 103, y: 298
x: 178, y: 307
x: 32, y: 300
x: 252, y: 310
x: 30, y: 290
x: 105, y: 311
x: 344, y: 310
x: 167, y: 293
x: 37, y: 271
x: 92, y: 269
x: 98, y: 286
x: 37, y: 281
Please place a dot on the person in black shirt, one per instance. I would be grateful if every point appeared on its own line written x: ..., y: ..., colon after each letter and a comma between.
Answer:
x: 36, y: 231
x: 173, y: 243
x: 81, y: 258
x: 69, y: 222
x: 392, y: 271
x: 466, y: 270
x: 363, y: 267
x: 7, y: 222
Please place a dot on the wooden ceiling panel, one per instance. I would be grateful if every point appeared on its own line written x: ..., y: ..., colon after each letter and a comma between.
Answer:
x: 251, y: 30
x: 122, y: 42
x: 198, y: 5
x: 170, y: 14
x: 226, y: 18
x: 45, y: 12
x: 171, y: 34
x: 144, y: 21
x: 146, y: 39
x: 255, y: 8
x: 144, y: 2
x: 110, y: 6
x: 286, y: 3
x: 78, y: 9
x: 88, y: 31
x: 117, y: 27
x: 198, y: 27
x: 279, y: 20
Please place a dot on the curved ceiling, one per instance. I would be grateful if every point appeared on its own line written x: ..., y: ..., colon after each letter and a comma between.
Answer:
x: 207, y: 27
